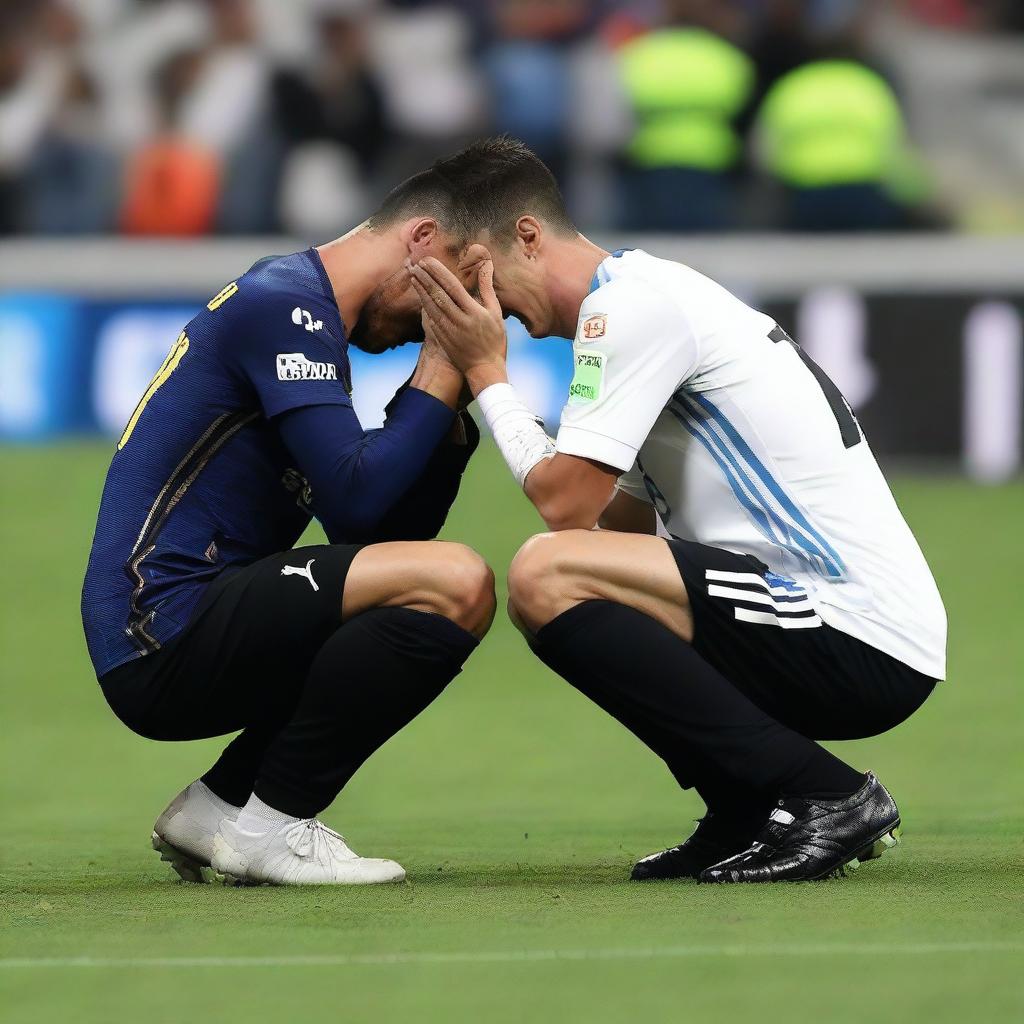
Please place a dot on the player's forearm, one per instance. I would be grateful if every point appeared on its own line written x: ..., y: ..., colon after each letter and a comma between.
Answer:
x: 569, y: 493
x: 437, y: 377
x: 356, y: 477
x: 371, y: 480
x: 420, y: 513
x: 482, y: 376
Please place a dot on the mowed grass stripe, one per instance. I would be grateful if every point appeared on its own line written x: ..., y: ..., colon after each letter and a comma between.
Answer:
x: 523, y: 955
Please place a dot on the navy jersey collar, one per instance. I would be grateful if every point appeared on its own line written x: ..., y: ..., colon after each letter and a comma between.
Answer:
x: 321, y: 270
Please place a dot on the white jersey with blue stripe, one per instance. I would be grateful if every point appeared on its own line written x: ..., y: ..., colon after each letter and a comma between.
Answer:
x: 714, y: 415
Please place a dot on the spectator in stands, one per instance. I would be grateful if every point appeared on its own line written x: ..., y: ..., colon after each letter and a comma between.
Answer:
x: 525, y: 59
x: 71, y: 185
x: 227, y: 110
x: 331, y: 113
x: 832, y: 132
x: 31, y: 85
x: 172, y: 186
x: 227, y: 95
x: 688, y: 87
x: 71, y: 177
x: 336, y: 95
x: 433, y: 92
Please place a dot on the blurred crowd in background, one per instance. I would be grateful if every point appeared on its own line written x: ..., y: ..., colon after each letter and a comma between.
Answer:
x: 193, y: 117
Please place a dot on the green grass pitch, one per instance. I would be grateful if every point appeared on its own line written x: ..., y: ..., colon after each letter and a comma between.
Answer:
x: 518, y: 809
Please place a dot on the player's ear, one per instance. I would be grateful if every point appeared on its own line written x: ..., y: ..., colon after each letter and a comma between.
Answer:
x: 419, y: 234
x: 528, y: 236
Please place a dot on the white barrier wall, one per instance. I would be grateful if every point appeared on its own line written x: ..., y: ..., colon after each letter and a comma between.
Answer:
x: 922, y: 333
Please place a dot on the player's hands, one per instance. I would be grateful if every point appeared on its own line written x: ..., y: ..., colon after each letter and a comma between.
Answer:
x: 436, y: 374
x: 468, y: 270
x: 470, y: 331
x: 432, y: 354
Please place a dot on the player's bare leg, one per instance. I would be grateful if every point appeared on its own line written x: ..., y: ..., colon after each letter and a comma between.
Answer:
x: 437, y: 577
x: 554, y: 572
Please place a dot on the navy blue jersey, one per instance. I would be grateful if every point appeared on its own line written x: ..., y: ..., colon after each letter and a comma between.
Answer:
x: 201, y: 480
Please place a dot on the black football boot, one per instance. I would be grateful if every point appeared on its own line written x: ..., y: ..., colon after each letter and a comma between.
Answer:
x: 809, y: 839
x: 714, y: 839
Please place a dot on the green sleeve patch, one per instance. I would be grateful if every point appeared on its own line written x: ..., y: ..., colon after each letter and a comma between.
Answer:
x: 588, y: 380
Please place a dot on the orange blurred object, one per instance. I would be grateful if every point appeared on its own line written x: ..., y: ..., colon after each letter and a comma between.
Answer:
x: 172, y: 188
x: 622, y: 27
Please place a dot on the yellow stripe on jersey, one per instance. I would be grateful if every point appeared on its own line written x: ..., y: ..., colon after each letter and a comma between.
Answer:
x: 167, y: 367
x: 222, y: 296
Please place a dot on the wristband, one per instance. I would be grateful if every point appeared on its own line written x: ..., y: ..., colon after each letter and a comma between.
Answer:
x: 519, y: 433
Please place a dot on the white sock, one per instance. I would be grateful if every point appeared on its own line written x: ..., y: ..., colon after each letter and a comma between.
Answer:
x: 256, y: 816
x: 202, y: 790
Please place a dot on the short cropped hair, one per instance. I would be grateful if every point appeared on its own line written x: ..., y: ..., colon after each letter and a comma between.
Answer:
x: 489, y: 185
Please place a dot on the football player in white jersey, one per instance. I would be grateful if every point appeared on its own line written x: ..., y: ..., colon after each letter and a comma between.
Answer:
x: 753, y: 587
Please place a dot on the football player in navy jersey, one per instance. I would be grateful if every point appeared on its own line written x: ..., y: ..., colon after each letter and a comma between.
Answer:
x: 200, y: 616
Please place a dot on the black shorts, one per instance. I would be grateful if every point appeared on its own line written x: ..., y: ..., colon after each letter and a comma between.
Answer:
x: 245, y: 652
x: 765, y: 637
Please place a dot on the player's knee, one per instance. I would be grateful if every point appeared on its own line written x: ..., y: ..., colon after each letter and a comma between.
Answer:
x: 465, y: 589
x: 542, y: 579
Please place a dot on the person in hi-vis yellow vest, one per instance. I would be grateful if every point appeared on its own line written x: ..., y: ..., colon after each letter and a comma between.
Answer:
x: 686, y: 87
x: 832, y: 132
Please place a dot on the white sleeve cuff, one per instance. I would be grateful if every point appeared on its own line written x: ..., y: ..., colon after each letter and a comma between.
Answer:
x: 589, y: 445
x: 519, y: 434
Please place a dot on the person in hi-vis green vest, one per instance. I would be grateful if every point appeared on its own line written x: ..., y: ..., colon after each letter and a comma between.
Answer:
x: 686, y: 87
x: 832, y: 132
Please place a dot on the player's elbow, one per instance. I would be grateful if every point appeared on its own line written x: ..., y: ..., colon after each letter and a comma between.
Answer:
x: 356, y: 522
x: 559, y: 523
x: 353, y: 500
x: 563, y: 511
x: 558, y: 506
x: 569, y: 493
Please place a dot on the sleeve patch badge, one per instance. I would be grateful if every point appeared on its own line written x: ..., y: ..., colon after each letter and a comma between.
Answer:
x: 295, y: 366
x: 594, y: 327
x: 588, y: 380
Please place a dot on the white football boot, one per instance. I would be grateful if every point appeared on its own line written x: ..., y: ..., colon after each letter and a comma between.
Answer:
x: 298, y: 852
x: 183, y: 834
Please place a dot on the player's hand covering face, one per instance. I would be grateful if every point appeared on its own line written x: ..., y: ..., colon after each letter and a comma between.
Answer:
x: 470, y: 331
x: 391, y: 315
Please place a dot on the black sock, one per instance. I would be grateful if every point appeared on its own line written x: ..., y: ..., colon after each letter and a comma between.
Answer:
x: 234, y: 774
x: 232, y: 777
x: 736, y: 809
x: 673, y: 700
x: 368, y: 681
